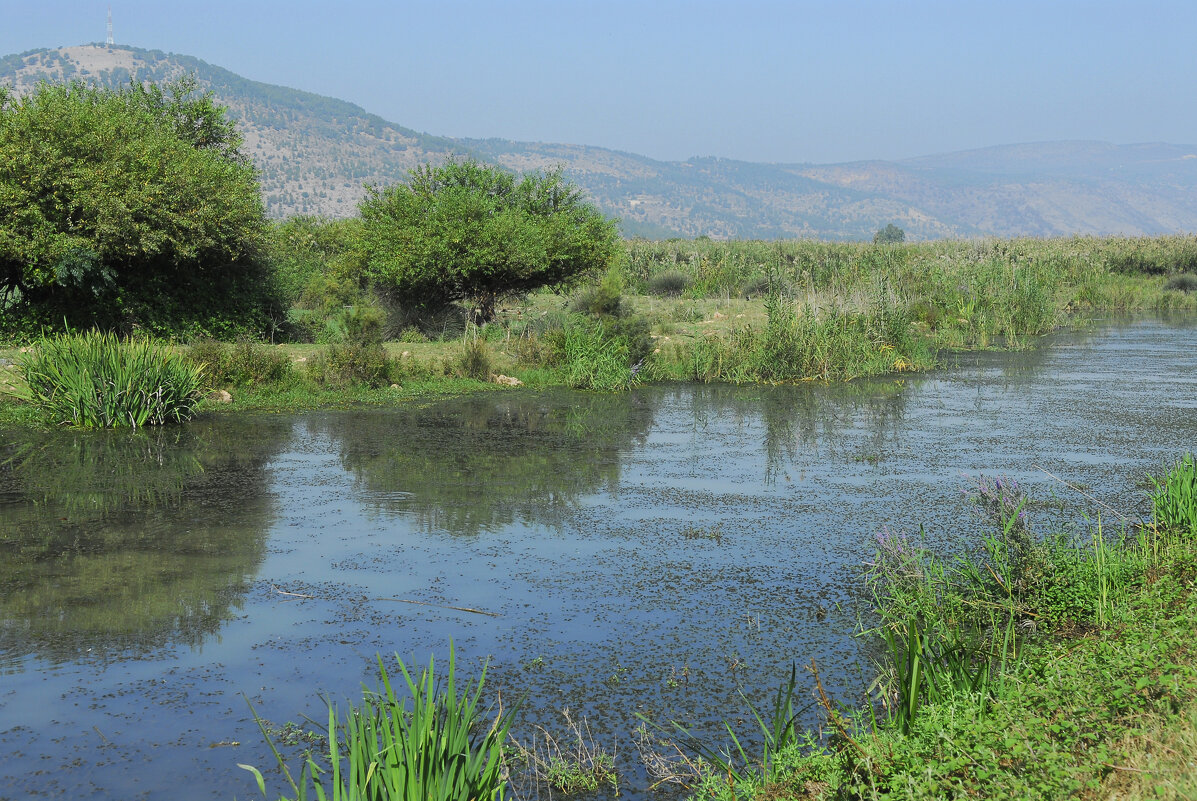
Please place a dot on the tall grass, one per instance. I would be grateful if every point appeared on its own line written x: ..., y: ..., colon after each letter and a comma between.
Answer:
x: 800, y: 342
x: 1174, y: 499
x: 98, y: 380
x: 428, y: 745
x: 592, y: 356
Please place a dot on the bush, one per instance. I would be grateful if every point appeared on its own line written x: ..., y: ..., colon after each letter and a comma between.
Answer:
x: 97, y: 380
x: 670, y: 284
x: 600, y: 301
x: 130, y: 209
x: 474, y: 360
x: 243, y: 364
x: 756, y: 287
x: 346, y: 365
x: 412, y: 334
x: 1185, y: 282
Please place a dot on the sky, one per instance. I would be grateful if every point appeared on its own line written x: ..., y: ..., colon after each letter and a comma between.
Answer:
x: 769, y: 81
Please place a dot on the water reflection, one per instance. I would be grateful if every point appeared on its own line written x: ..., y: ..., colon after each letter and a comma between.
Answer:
x: 112, y: 542
x: 481, y: 463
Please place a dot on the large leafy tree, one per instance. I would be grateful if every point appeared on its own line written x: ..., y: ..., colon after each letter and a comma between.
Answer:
x: 468, y: 231
x: 132, y: 208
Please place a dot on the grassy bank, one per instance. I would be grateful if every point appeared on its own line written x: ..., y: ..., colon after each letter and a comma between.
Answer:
x: 1045, y: 666
x: 706, y: 311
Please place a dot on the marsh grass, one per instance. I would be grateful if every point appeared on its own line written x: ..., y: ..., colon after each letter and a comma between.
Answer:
x: 569, y: 764
x: 98, y: 380
x: 1028, y: 670
x: 593, y: 356
x: 1174, y: 497
x: 428, y: 744
x: 799, y: 342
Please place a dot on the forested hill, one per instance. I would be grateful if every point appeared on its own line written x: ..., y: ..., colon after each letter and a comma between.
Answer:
x: 315, y: 153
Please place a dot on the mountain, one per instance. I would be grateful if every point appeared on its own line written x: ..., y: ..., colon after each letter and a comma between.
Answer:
x: 315, y: 153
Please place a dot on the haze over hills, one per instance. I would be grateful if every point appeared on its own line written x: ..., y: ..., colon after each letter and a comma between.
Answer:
x: 315, y: 153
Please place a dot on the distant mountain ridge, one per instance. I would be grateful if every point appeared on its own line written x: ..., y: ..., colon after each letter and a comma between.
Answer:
x: 315, y: 153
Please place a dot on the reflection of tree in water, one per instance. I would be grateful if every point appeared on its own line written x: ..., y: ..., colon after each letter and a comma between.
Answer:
x: 807, y: 419
x: 116, y: 541
x: 480, y: 463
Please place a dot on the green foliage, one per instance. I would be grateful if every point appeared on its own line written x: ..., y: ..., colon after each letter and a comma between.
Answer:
x: 320, y: 272
x: 245, y: 363
x: 130, y: 209
x: 1174, y: 499
x: 994, y: 691
x: 353, y: 364
x: 97, y: 380
x: 474, y: 360
x: 465, y: 231
x: 671, y: 283
x: 889, y: 235
x: 594, y: 356
x: 429, y: 745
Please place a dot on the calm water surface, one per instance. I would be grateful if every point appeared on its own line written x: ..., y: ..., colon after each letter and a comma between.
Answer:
x: 655, y: 553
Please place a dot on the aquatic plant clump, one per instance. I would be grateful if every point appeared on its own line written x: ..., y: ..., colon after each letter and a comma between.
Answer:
x: 1174, y: 499
x: 98, y: 380
x: 428, y: 745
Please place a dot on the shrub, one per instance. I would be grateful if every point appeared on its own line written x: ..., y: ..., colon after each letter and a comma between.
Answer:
x: 412, y: 334
x: 243, y: 364
x: 97, y: 380
x: 670, y: 284
x: 474, y: 360
x: 1185, y: 282
x: 756, y: 287
x: 132, y: 208
x: 599, y: 301
x: 341, y: 366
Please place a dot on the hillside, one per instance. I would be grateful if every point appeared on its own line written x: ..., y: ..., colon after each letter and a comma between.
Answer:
x: 315, y: 153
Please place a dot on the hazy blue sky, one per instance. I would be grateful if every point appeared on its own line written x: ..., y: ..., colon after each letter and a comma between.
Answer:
x: 762, y: 81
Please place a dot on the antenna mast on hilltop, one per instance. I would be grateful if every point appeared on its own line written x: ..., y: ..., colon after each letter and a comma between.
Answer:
x: 109, y: 42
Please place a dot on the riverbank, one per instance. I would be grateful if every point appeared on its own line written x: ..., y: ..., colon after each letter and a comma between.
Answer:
x: 738, y: 312
x: 1063, y: 666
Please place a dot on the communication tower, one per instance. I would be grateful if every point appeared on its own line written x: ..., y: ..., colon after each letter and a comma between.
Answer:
x: 109, y: 42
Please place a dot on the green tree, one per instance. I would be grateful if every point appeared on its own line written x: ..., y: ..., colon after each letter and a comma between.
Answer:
x: 467, y: 231
x: 889, y: 235
x: 132, y: 208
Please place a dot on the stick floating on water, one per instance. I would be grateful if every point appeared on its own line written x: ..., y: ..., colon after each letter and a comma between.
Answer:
x: 400, y: 601
x: 442, y: 606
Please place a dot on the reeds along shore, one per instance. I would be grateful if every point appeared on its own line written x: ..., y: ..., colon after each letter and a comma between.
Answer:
x: 712, y: 311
